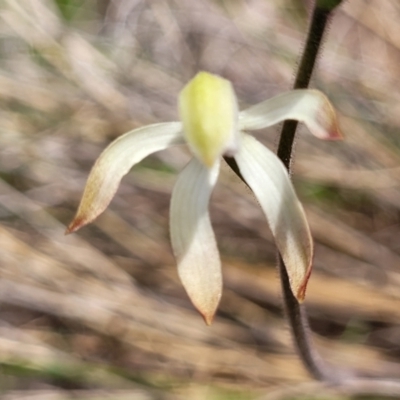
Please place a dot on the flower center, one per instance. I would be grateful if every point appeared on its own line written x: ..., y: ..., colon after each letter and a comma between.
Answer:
x: 209, y: 113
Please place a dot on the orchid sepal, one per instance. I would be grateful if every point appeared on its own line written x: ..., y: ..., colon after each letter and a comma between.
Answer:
x: 270, y: 183
x: 309, y: 106
x: 192, y: 237
x: 116, y: 161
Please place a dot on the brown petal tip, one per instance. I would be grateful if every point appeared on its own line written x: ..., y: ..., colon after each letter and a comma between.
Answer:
x: 335, y: 133
x: 208, y: 319
x: 75, y: 225
x: 301, y: 292
x: 208, y: 312
x: 328, y: 119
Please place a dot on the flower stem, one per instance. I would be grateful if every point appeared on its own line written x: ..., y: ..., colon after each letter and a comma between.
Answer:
x: 295, y: 312
x: 316, y: 31
x: 344, y: 381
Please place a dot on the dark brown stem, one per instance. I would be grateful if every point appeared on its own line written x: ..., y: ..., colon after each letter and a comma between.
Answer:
x: 341, y: 381
x: 316, y: 31
x: 295, y: 312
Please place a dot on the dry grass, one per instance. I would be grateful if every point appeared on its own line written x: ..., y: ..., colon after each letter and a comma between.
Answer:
x: 101, y: 314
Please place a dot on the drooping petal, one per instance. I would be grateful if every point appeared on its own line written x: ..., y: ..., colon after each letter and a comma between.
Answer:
x: 270, y: 182
x: 209, y: 113
x: 308, y: 106
x: 116, y: 161
x: 193, y: 239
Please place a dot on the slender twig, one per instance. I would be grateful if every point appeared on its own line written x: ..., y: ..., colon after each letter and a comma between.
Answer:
x: 295, y: 312
x: 340, y: 381
x: 316, y: 31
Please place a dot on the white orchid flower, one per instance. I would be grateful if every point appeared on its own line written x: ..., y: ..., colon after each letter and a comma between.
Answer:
x: 211, y: 126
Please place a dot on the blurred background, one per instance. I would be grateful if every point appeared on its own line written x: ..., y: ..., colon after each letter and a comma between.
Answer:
x: 101, y: 314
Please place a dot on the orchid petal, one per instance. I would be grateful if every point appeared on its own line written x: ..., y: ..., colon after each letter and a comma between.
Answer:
x: 193, y: 239
x: 116, y: 161
x: 209, y: 113
x: 270, y: 182
x: 308, y: 106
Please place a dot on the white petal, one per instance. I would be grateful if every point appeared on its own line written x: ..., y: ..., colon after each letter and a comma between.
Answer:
x: 269, y: 180
x: 116, y: 161
x: 193, y: 239
x: 308, y: 106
